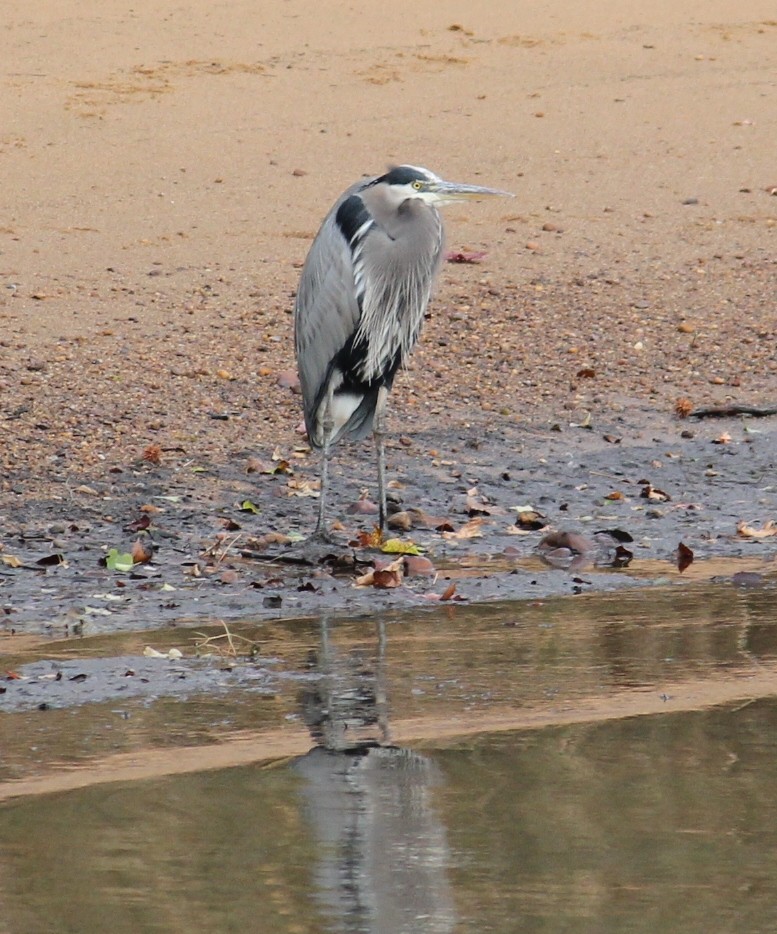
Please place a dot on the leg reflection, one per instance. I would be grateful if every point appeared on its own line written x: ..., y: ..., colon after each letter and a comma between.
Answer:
x: 382, y: 850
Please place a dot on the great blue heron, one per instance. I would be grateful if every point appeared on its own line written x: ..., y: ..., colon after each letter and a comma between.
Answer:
x: 361, y: 303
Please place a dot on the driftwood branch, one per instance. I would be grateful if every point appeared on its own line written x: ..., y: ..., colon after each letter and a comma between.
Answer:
x: 734, y: 408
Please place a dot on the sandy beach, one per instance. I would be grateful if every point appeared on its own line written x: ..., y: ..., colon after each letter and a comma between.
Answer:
x: 166, y: 167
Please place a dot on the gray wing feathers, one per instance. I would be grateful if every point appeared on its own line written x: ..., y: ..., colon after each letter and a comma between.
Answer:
x: 326, y: 312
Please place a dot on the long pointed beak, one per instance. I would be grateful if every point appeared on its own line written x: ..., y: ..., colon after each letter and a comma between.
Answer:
x: 458, y: 191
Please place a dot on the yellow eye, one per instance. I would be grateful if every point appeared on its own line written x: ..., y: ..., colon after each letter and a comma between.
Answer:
x: 417, y: 186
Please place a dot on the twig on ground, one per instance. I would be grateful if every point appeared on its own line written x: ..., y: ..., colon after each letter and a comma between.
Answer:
x: 733, y: 408
x: 220, y: 548
x: 231, y: 650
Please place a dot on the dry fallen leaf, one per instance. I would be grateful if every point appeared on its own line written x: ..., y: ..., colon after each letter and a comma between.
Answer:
x: 449, y: 591
x: 768, y: 529
x: 465, y: 256
x: 11, y: 561
x: 170, y: 654
x: 142, y: 551
x: 363, y: 507
x: 373, y: 539
x: 401, y: 521
x: 419, y: 566
x: 383, y: 578
x: 684, y: 557
x: 470, y: 529
x: 477, y: 505
x: 652, y: 493
x: 530, y: 520
x: 448, y: 594
x: 276, y: 538
x: 303, y: 487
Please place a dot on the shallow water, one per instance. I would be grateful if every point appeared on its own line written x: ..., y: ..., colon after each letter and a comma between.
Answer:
x: 590, y: 765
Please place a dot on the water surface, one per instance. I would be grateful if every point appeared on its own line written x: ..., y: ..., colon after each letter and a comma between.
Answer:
x: 483, y: 771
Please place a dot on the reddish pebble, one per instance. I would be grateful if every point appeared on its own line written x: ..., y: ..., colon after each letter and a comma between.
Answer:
x: 418, y: 566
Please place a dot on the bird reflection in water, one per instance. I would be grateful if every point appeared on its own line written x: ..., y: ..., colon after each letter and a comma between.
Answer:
x: 382, y: 849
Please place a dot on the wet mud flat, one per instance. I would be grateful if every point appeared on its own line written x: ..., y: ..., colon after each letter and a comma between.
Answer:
x: 226, y: 540
x: 664, y: 502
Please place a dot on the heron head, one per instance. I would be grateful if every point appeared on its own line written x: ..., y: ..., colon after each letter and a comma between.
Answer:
x: 410, y: 181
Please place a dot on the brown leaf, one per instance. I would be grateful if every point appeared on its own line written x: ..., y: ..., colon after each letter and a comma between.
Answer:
x: 386, y: 578
x: 275, y: 538
x: 471, y: 529
x: 142, y: 551
x: 477, y: 505
x: 418, y: 520
x: 724, y: 438
x: 303, y: 487
x: 373, y: 539
x: 622, y: 557
x: 363, y: 507
x: 465, y: 256
x: 586, y: 373
x: 615, y: 495
x: 288, y: 379
x: 382, y: 577
x: 449, y: 591
x: 573, y: 542
x: 684, y: 557
x: 419, y: 566
x: 403, y: 521
x: 652, y: 493
x: 530, y: 520
x: 768, y: 529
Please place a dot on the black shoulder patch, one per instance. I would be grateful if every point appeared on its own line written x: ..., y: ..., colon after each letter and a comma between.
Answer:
x: 351, y: 215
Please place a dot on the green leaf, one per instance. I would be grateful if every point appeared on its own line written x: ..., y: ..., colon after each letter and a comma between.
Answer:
x: 248, y: 506
x: 116, y: 561
x: 396, y: 547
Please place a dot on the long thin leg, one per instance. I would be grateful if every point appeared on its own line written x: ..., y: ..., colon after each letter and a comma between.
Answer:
x: 327, y: 426
x: 380, y: 448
